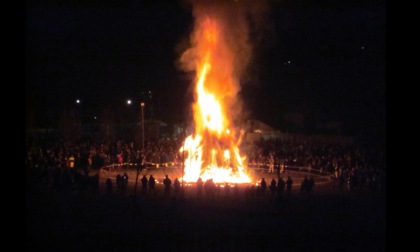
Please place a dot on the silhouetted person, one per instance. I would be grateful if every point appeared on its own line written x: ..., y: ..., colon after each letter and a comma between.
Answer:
x: 289, y: 184
x: 311, y: 184
x: 263, y: 186
x: 71, y: 161
x: 108, y: 186
x: 304, y: 186
x: 210, y: 188
x: 177, y: 187
x: 144, y: 183
x: 280, y: 187
x: 271, y: 164
x: 167, y: 182
x: 273, y: 186
x: 124, y: 182
x: 152, y: 183
x: 200, y: 187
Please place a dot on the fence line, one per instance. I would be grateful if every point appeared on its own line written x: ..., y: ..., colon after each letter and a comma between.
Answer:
x: 258, y: 167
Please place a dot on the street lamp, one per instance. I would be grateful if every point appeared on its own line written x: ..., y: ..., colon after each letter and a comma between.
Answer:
x: 78, y: 110
x: 142, y: 126
x: 142, y: 156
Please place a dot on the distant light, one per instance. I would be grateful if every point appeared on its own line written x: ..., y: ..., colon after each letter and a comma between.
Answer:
x: 94, y: 117
x: 150, y: 92
x: 363, y: 48
x: 142, y: 104
x: 288, y: 62
x: 128, y: 102
x: 77, y: 101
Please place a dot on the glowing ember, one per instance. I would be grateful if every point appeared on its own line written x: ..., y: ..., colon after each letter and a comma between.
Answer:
x: 212, y: 151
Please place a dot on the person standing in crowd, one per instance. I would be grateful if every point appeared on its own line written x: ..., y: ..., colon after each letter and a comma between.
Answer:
x: 304, y: 186
x: 108, y: 186
x: 125, y: 182
x: 152, y: 183
x: 210, y: 188
x: 167, y: 182
x: 282, y: 168
x: 289, y: 184
x: 70, y: 162
x: 263, y: 186
x: 280, y: 187
x: 273, y: 186
x: 177, y: 187
x: 311, y: 184
x: 144, y: 183
x: 271, y: 164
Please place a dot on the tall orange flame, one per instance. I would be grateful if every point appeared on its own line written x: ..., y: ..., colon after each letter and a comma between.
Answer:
x: 212, y: 151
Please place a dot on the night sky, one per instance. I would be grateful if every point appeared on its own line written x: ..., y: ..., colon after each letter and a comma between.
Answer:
x: 323, y: 59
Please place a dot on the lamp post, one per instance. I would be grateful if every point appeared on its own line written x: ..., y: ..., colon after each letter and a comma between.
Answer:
x: 142, y: 126
x: 78, y: 109
x: 141, y: 156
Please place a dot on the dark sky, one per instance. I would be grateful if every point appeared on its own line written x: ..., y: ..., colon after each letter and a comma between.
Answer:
x: 104, y: 52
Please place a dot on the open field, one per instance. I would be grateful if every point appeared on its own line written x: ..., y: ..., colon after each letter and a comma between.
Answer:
x: 326, y: 220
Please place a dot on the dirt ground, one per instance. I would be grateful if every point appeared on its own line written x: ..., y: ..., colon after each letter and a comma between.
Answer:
x: 327, y: 220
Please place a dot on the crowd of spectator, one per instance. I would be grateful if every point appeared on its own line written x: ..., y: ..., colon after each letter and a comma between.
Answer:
x: 354, y: 165
x: 66, y: 163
